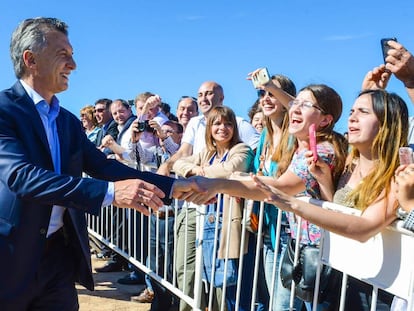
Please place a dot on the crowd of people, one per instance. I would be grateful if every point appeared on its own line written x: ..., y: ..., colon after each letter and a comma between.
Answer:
x: 113, y: 156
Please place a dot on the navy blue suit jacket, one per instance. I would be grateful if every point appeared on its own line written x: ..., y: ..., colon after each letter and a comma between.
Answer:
x: 111, y: 130
x: 29, y: 188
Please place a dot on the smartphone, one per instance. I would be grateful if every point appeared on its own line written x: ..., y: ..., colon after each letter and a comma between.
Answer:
x: 312, y: 141
x: 406, y: 155
x: 261, y: 77
x: 385, y: 47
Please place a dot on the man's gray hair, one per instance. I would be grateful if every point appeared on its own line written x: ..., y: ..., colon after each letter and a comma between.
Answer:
x: 31, y: 35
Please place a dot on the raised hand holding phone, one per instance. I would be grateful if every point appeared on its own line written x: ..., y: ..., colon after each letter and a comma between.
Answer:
x: 260, y: 77
x: 385, y: 47
x: 312, y: 141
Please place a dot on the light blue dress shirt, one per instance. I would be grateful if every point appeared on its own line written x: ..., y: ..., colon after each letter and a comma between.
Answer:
x: 48, y: 114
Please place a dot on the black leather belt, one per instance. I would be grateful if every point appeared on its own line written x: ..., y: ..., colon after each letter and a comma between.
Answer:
x: 163, y: 214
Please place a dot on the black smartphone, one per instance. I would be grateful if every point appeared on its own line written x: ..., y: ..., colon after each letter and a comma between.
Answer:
x: 385, y: 47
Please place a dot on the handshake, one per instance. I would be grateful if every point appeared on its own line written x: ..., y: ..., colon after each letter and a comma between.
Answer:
x: 141, y: 195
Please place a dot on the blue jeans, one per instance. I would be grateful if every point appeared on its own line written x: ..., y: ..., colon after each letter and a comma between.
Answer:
x: 160, y: 259
x: 261, y: 300
x: 210, y: 255
x: 161, y: 294
x: 247, y: 274
x: 321, y: 306
x: 281, y: 295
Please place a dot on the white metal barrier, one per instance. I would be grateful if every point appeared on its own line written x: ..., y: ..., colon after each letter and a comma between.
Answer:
x: 384, y: 261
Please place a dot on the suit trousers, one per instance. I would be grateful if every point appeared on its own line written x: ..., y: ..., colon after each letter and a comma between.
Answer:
x: 53, y: 286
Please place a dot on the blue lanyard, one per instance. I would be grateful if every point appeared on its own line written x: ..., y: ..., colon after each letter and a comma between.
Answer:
x: 224, y: 158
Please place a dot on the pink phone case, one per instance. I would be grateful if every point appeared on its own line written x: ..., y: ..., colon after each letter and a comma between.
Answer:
x: 312, y: 141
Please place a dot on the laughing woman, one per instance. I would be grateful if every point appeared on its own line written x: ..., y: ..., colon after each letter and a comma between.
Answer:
x: 274, y: 142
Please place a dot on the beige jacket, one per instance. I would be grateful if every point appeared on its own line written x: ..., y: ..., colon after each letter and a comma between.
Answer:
x: 239, y: 159
x: 235, y: 229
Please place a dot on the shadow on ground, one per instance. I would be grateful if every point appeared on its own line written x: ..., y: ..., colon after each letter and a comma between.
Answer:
x: 108, y: 294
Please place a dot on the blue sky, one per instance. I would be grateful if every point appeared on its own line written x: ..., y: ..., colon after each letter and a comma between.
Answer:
x: 123, y: 48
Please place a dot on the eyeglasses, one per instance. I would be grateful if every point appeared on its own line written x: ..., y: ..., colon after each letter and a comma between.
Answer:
x: 83, y: 115
x: 304, y: 104
x: 263, y: 93
x: 100, y: 109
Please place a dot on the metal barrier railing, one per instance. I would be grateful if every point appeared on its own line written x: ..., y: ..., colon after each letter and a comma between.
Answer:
x: 384, y: 261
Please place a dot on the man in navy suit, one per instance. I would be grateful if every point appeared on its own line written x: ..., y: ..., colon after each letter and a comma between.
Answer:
x: 43, y: 199
x: 105, y: 121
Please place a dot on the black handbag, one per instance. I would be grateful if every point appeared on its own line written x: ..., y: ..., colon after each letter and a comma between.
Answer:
x: 304, y: 273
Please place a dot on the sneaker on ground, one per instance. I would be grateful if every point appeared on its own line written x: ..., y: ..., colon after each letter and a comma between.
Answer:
x: 147, y: 296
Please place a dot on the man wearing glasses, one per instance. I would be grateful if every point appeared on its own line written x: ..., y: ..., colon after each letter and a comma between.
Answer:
x: 105, y: 121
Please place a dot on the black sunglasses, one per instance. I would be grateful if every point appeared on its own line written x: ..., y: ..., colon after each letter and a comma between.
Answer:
x: 261, y: 93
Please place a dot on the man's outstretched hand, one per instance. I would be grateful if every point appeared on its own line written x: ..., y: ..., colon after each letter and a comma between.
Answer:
x: 137, y: 194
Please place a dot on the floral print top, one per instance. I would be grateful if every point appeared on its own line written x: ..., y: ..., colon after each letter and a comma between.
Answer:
x: 310, y: 233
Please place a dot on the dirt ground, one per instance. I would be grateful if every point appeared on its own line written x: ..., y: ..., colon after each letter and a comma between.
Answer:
x: 108, y: 294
